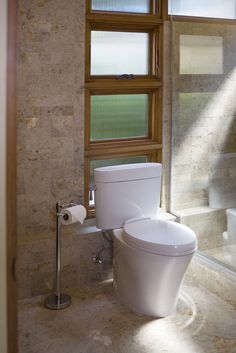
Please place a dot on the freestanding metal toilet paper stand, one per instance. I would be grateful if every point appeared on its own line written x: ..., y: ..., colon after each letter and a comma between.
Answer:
x: 58, y: 300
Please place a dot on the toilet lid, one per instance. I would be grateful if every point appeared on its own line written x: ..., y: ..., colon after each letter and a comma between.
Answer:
x: 160, y: 237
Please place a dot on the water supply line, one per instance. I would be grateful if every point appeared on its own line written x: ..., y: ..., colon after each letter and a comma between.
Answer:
x: 97, y: 257
x: 107, y: 236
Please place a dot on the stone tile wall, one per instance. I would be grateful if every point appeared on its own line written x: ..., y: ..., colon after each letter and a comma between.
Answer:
x: 50, y: 87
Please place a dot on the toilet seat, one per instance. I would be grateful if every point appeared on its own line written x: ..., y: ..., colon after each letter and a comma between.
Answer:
x: 159, y: 237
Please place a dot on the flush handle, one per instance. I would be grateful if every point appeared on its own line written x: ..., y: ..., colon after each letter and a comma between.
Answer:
x: 91, y: 189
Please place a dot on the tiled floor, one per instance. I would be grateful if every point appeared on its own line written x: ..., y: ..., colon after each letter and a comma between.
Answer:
x: 226, y: 254
x: 98, y: 323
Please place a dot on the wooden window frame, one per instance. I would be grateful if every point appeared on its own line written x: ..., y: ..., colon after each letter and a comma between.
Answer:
x: 154, y: 103
x: 154, y: 60
x: 150, y: 84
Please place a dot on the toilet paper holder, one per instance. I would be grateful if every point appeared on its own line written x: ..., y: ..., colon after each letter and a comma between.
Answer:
x: 58, y: 300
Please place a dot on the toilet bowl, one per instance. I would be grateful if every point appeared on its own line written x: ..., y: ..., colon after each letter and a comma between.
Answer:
x: 150, y: 255
x: 150, y: 260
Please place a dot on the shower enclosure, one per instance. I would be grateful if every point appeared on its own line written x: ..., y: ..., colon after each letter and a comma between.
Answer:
x: 203, y: 123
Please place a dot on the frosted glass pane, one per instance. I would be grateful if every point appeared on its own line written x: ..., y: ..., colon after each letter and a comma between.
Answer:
x: 201, y: 54
x: 117, y: 53
x: 141, y: 6
x: 203, y: 8
x: 119, y: 116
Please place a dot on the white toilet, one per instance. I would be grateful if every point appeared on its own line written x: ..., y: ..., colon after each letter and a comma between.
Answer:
x: 150, y: 255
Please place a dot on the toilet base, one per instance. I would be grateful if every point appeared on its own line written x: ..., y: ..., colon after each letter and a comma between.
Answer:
x: 147, y: 283
x: 140, y: 310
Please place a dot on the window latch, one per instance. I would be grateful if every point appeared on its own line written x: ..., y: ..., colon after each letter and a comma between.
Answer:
x: 125, y: 77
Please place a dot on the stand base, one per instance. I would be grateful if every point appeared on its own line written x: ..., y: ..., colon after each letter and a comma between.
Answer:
x: 53, y: 303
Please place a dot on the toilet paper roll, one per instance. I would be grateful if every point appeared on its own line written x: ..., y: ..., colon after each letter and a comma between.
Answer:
x: 73, y: 215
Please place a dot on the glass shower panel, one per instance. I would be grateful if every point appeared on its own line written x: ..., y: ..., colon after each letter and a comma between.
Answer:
x: 138, y: 6
x: 117, y: 53
x: 203, y: 173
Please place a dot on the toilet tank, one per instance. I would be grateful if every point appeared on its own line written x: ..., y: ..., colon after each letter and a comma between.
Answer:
x: 126, y: 191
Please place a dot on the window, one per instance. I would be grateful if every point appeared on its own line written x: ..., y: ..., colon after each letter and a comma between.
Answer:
x: 123, y: 95
x: 204, y: 8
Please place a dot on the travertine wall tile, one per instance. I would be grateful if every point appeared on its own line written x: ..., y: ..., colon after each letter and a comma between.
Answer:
x: 50, y: 84
x: 36, y: 264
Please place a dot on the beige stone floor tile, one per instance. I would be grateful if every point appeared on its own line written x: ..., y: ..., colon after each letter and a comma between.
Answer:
x: 97, y: 322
